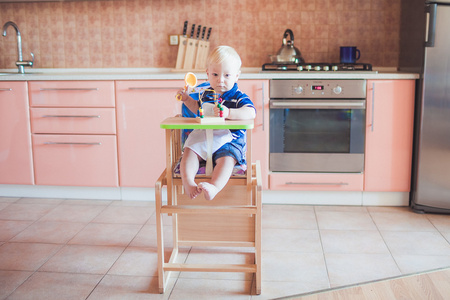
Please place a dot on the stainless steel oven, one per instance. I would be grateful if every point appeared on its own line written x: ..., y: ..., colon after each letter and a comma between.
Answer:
x: 317, y: 125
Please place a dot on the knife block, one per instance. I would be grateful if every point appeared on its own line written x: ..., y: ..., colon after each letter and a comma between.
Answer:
x: 192, y: 54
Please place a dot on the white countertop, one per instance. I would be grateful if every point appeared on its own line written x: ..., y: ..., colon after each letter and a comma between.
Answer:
x: 169, y: 74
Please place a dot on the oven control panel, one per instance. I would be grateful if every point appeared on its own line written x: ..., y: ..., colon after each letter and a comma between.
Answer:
x: 310, y: 88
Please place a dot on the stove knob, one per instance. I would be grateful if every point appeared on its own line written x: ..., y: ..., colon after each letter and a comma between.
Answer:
x: 308, y: 67
x: 335, y: 68
x: 298, y: 90
x: 317, y: 68
x: 326, y: 68
x: 337, y: 90
x: 300, y: 68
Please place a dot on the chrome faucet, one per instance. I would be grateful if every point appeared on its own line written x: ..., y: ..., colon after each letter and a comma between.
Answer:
x: 20, y: 63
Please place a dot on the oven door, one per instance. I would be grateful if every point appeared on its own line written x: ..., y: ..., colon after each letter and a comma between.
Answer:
x: 325, y: 135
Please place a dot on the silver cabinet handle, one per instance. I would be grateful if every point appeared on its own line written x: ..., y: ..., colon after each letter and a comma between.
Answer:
x: 318, y: 104
x: 153, y: 88
x: 373, y: 107
x: 5, y: 90
x: 316, y: 183
x: 69, y: 89
x: 69, y: 116
x: 68, y: 143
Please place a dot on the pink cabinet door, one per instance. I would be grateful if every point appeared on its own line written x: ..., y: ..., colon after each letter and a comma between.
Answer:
x: 71, y: 93
x: 73, y: 120
x: 141, y: 106
x: 389, y: 135
x: 75, y: 160
x: 15, y: 137
x: 258, y: 91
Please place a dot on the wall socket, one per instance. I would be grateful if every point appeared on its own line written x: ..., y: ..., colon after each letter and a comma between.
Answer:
x: 173, y: 39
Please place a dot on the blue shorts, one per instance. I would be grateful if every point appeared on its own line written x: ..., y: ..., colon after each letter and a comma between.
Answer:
x: 236, y: 149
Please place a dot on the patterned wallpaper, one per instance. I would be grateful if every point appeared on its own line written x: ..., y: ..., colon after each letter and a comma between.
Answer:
x: 135, y: 33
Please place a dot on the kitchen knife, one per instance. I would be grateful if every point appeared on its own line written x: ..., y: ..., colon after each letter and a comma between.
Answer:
x: 185, y: 28
x: 192, y: 31
x: 203, y: 32
x: 182, y: 47
x: 189, y: 57
x: 209, y: 33
x: 198, y: 31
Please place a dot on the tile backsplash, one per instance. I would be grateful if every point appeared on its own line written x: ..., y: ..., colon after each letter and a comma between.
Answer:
x: 135, y: 33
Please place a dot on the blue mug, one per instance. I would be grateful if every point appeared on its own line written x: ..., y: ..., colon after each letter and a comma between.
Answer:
x: 349, y: 55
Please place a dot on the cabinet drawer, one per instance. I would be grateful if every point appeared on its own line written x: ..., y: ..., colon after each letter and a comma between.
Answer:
x: 71, y: 93
x: 73, y: 120
x: 316, y: 181
x: 75, y: 160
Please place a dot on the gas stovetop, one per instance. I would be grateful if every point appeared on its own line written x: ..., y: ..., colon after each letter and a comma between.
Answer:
x: 318, y: 67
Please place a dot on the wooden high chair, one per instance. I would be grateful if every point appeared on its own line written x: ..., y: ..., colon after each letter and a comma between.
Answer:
x: 231, y: 219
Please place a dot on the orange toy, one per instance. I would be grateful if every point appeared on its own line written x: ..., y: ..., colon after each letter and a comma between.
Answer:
x: 190, y: 81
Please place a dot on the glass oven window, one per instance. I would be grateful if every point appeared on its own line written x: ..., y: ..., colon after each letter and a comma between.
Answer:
x: 317, y: 130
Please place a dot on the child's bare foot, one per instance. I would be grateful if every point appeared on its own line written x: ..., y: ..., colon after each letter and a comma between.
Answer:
x: 209, y: 190
x: 192, y: 190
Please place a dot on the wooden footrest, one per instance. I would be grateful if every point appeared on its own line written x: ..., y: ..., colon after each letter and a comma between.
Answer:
x: 245, y: 268
x: 195, y: 209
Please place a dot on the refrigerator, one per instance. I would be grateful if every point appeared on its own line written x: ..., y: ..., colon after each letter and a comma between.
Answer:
x: 425, y: 48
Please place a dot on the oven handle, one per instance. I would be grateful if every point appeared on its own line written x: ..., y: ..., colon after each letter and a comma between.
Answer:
x: 318, y: 104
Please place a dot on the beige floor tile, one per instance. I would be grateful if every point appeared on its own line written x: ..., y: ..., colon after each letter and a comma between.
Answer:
x: 344, y: 269
x: 25, y: 211
x: 211, y: 289
x: 416, y: 243
x: 54, y: 201
x: 402, y: 221
x: 8, y: 199
x: 87, y: 202
x: 150, y: 204
x: 308, y: 268
x: 147, y: 237
x: 49, y: 232
x: 10, y: 280
x: 114, y: 287
x: 420, y: 263
x: 298, y: 240
x: 9, y: 229
x: 125, y: 215
x: 392, y: 209
x: 45, y: 286
x: 343, y: 208
x: 73, y: 213
x: 219, y: 256
x: 276, y: 289
x: 288, y: 216
x: 353, y: 241
x: 83, y: 259
x: 442, y: 222
x: 136, y: 262
x: 4, y: 205
x: 25, y: 256
x: 106, y: 234
x: 337, y: 220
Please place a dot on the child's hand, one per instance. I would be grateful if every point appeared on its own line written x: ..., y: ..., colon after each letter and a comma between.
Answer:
x: 182, y: 95
x: 225, y: 111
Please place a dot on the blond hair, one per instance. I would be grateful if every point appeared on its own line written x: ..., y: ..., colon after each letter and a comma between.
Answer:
x: 224, y: 53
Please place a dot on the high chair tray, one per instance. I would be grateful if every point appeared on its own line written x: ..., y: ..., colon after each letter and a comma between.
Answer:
x: 192, y: 123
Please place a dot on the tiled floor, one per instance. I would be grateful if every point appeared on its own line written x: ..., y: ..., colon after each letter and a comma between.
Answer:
x: 81, y: 249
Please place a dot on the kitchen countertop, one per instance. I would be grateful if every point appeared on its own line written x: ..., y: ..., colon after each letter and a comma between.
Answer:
x: 170, y: 74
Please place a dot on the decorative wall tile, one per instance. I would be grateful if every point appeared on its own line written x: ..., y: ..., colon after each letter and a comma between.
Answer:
x: 134, y: 33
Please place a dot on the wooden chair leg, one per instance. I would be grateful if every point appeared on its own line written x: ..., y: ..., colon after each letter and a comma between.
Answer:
x: 159, y: 233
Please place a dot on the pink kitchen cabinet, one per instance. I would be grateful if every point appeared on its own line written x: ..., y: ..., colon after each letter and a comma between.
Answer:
x: 73, y: 128
x: 141, y: 106
x: 15, y: 136
x: 258, y: 91
x: 389, y: 135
